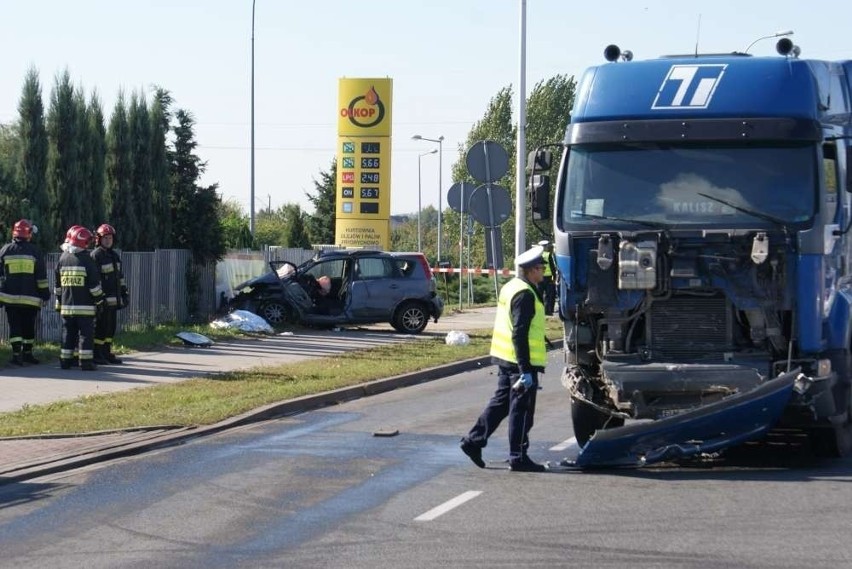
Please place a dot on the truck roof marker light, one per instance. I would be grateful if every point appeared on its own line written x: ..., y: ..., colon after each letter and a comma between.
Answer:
x: 613, y: 53
x: 787, y: 48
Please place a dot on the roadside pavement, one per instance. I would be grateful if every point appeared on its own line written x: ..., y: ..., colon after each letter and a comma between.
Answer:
x: 27, y: 457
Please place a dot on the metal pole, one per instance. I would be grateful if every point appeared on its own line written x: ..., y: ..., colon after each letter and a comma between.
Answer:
x: 520, y: 158
x: 440, y: 191
x: 461, y: 241
x: 419, y: 204
x: 251, y: 200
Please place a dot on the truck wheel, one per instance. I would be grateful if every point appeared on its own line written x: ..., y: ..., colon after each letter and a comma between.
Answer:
x: 586, y: 420
x: 832, y: 442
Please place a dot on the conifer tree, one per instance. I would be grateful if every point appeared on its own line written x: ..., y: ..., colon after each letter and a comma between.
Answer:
x: 63, y: 157
x: 139, y: 134
x: 30, y: 167
x: 119, y: 167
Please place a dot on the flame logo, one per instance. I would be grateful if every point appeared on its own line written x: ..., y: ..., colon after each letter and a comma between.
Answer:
x: 371, y: 98
x: 365, y: 117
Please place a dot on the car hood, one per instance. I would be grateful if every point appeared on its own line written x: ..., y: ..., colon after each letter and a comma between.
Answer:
x: 269, y: 278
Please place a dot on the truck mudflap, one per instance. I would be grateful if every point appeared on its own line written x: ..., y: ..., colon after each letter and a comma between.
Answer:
x: 736, y: 419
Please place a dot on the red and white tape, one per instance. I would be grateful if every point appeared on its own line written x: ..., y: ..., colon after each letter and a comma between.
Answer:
x: 473, y: 271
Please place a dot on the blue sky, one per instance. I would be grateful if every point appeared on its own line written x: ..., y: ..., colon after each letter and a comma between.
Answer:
x: 447, y: 59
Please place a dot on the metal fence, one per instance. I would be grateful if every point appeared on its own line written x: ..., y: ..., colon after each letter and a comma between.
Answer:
x: 161, y: 287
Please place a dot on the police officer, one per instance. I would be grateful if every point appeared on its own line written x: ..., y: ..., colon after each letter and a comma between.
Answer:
x: 115, y: 290
x: 518, y: 349
x: 23, y: 287
x: 548, y: 286
x: 78, y: 292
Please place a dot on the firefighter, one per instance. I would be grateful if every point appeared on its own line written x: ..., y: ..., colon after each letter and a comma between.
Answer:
x: 23, y: 289
x: 78, y: 294
x: 548, y: 285
x: 115, y: 290
x: 518, y: 348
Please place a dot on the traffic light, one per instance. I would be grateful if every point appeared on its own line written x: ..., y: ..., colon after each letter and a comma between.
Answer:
x: 540, y: 196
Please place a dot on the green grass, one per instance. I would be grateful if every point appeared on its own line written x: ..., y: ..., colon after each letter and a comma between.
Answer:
x: 204, y: 401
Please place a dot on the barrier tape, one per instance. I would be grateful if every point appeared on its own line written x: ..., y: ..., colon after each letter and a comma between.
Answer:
x: 473, y: 271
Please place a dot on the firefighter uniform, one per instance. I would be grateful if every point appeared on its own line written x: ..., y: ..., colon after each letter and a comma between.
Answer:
x: 518, y: 348
x: 78, y: 292
x: 23, y: 287
x: 548, y: 283
x: 115, y: 291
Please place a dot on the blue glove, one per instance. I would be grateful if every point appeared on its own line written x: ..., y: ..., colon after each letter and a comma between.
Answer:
x: 524, y: 382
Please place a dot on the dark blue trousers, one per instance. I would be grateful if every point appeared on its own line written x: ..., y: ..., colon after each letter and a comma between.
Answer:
x: 519, y: 406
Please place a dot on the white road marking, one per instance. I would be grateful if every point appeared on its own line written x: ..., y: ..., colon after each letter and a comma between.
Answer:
x: 447, y: 506
x: 564, y: 444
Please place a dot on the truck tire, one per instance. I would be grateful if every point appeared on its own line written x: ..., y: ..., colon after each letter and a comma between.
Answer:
x: 587, y: 419
x: 835, y: 440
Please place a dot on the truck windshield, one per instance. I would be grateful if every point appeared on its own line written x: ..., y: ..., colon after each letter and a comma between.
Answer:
x: 689, y: 185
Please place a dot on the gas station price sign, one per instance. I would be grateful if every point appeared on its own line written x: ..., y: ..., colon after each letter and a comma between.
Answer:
x: 363, y: 174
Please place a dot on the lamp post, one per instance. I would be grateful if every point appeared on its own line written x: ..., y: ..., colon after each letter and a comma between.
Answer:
x: 440, y: 142
x: 775, y: 35
x: 251, y: 199
x: 420, y: 198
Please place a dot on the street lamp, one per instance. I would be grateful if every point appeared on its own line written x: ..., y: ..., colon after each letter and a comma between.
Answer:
x: 439, y: 141
x: 775, y: 35
x: 251, y: 199
x: 420, y: 198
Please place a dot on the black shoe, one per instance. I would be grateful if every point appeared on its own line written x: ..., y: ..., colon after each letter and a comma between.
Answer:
x: 111, y: 359
x: 100, y: 360
x: 473, y: 452
x: 65, y: 364
x: 29, y: 358
x: 16, y: 360
x: 88, y: 365
x: 526, y: 465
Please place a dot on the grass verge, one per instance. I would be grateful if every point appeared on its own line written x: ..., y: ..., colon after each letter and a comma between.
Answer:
x: 205, y: 401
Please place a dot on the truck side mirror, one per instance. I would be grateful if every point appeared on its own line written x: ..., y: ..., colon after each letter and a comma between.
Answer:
x: 540, y: 196
x: 539, y: 161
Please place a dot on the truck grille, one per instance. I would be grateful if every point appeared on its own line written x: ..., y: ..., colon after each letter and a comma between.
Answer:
x: 690, y: 328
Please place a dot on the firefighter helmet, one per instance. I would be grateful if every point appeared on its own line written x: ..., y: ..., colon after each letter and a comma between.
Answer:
x: 79, y: 236
x: 103, y: 230
x: 22, y: 229
x: 70, y: 232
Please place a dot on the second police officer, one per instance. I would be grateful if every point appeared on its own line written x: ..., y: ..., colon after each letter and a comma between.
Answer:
x: 548, y: 284
x: 114, y: 289
x: 78, y: 293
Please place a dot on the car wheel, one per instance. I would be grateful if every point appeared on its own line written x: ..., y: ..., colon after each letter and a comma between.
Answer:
x: 410, y: 318
x: 275, y: 312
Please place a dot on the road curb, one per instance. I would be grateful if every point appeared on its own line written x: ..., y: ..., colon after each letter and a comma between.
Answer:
x: 271, y: 411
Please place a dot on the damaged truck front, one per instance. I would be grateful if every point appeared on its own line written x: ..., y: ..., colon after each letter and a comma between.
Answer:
x: 701, y: 231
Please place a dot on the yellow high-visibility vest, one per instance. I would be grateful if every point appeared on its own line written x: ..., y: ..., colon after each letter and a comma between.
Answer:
x: 501, y: 341
x: 547, y: 271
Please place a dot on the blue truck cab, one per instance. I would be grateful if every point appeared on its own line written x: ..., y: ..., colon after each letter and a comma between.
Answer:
x: 702, y: 233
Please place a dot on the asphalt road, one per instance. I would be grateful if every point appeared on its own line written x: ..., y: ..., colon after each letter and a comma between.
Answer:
x: 321, y: 490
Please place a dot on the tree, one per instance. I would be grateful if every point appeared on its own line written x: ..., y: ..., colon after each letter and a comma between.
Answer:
x: 139, y: 134
x: 321, y: 224
x: 85, y: 156
x: 30, y: 164
x: 235, y: 225
x: 119, y: 165
x: 63, y: 157
x: 195, y: 221
x: 161, y: 188
x: 296, y: 235
x: 97, y: 161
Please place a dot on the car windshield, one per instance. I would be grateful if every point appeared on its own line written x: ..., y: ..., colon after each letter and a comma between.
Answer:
x: 711, y: 186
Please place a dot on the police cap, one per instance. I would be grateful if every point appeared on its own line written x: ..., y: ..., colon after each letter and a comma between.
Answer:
x: 531, y: 257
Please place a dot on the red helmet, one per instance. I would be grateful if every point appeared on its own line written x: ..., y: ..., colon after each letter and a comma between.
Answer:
x: 79, y: 236
x: 70, y: 232
x: 105, y: 229
x: 22, y: 229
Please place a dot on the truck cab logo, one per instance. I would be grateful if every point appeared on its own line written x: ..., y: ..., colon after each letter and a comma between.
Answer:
x: 689, y: 86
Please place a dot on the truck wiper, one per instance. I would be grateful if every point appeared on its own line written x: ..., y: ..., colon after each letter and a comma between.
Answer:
x: 652, y: 224
x: 748, y: 211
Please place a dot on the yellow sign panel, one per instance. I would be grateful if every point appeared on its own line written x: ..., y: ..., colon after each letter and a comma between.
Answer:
x: 363, y: 233
x: 363, y: 163
x: 364, y: 107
